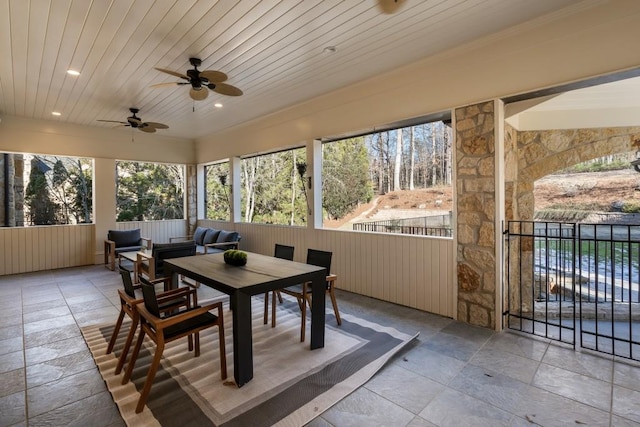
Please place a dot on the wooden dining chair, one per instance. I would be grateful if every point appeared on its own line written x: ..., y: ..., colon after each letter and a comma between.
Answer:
x: 167, y: 302
x: 302, y: 292
x: 164, y: 329
x: 283, y: 252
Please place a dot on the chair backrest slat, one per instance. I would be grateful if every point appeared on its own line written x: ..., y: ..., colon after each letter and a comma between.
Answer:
x: 127, y: 282
x: 149, y: 295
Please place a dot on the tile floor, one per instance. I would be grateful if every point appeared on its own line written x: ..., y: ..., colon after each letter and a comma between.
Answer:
x: 452, y: 375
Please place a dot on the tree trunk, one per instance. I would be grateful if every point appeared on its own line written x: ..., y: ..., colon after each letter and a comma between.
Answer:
x: 398, y: 162
x: 293, y: 190
x: 412, y: 149
x: 433, y: 159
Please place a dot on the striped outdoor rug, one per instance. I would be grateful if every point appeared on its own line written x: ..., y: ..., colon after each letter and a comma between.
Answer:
x: 291, y: 384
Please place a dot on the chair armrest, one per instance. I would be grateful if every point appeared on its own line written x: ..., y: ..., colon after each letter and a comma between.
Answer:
x: 158, y: 323
x: 171, y: 239
x: 147, y: 241
x: 221, y: 244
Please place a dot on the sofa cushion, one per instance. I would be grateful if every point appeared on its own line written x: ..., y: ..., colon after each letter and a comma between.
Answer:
x: 227, y: 236
x: 125, y: 238
x: 211, y: 236
x: 198, y: 235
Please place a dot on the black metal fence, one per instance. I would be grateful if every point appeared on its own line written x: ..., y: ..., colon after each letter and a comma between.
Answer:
x: 434, y: 225
x: 563, y: 277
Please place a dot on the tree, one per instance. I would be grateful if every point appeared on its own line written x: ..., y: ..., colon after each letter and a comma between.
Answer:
x: 41, y: 209
x: 398, y: 162
x: 149, y: 191
x: 217, y: 193
x: 412, y: 163
x: 345, y: 176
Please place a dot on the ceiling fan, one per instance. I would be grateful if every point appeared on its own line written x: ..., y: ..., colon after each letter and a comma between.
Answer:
x: 200, y: 81
x: 390, y: 6
x: 137, y: 123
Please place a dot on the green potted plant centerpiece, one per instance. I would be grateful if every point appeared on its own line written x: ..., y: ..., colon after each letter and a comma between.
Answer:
x: 235, y: 257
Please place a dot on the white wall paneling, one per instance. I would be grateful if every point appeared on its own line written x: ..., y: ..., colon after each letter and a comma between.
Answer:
x: 157, y: 231
x: 27, y: 249
x: 414, y: 271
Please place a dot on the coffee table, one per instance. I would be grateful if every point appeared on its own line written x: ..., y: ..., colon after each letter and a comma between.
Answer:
x: 131, y: 261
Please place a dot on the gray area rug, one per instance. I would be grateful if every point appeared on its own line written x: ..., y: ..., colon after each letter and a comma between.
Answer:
x: 291, y: 385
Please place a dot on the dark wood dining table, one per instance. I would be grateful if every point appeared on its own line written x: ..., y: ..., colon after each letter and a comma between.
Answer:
x: 261, y: 274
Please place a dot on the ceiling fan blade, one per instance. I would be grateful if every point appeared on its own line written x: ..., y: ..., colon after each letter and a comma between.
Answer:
x: 147, y: 129
x: 156, y: 125
x: 167, y: 84
x: 173, y: 73
x: 213, y: 76
x: 114, y: 121
x: 390, y: 6
x: 225, y: 89
x: 198, y: 95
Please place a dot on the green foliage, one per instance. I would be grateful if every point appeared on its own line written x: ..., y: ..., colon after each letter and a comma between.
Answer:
x: 59, y: 191
x: 235, y: 257
x: 561, y: 215
x: 272, y: 191
x: 149, y: 191
x: 346, y: 181
x: 618, y: 161
x: 42, y: 210
x: 217, y: 191
x: 631, y: 207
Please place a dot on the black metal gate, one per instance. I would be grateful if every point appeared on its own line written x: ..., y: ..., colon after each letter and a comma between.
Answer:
x: 565, y: 280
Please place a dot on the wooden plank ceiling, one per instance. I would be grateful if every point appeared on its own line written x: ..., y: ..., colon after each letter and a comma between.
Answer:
x: 274, y: 51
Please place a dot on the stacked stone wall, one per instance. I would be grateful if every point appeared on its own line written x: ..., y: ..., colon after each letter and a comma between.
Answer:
x: 475, y: 188
x: 12, y: 192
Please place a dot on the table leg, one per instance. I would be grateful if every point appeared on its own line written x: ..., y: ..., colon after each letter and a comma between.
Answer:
x: 318, y: 293
x: 242, y: 340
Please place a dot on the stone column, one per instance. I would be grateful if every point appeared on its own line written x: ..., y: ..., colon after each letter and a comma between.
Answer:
x: 476, y: 208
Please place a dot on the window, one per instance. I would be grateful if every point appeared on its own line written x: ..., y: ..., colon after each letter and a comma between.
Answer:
x: 217, y: 191
x: 45, y: 190
x: 393, y: 181
x: 149, y: 191
x: 272, y: 190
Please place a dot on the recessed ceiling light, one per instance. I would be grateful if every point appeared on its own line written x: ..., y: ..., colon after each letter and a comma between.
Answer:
x: 329, y: 49
x: 217, y: 105
x: 55, y: 113
x: 73, y: 72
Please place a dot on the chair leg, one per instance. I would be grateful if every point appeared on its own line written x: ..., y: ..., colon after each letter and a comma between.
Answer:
x: 266, y: 308
x: 279, y: 296
x: 332, y: 294
x: 134, y: 357
x: 150, y: 376
x: 303, y: 308
x: 127, y: 344
x: 116, y: 330
x: 196, y: 339
x: 273, y: 308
